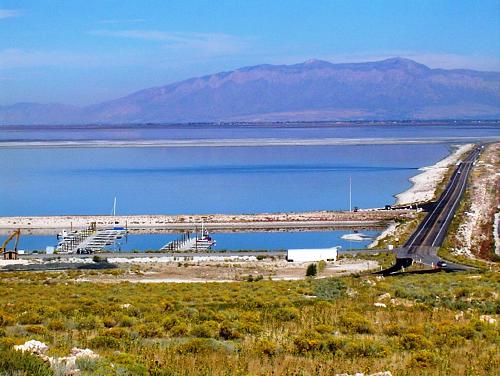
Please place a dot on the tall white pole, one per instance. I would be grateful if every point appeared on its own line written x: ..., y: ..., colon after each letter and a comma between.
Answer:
x: 350, y: 194
x: 114, y: 207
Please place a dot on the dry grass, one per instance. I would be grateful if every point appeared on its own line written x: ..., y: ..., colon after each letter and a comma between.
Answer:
x: 304, y: 327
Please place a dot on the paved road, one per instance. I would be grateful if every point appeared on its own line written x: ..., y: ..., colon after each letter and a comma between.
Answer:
x: 423, y: 244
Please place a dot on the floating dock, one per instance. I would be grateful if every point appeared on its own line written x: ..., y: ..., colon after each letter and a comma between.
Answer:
x: 89, y: 240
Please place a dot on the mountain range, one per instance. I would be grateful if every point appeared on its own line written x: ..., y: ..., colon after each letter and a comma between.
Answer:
x: 392, y: 89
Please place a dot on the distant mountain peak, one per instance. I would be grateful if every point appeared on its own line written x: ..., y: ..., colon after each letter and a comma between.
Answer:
x: 315, y: 61
x: 395, y: 88
x: 402, y: 62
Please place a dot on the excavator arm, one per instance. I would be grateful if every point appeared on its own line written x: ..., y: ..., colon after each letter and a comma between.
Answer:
x: 16, y: 234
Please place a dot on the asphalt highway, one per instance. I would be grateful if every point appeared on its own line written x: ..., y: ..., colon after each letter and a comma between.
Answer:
x: 423, y: 244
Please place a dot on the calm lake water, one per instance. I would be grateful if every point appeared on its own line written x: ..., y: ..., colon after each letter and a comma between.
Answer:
x: 225, y: 241
x: 199, y: 180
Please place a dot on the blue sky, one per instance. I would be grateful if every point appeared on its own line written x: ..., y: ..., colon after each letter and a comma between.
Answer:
x: 83, y: 52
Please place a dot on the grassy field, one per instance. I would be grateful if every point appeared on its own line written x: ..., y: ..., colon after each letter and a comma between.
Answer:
x: 431, y: 324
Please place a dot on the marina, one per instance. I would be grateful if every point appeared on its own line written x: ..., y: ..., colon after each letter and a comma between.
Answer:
x: 87, y: 241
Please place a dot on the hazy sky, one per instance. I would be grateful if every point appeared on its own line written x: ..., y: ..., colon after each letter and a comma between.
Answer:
x: 82, y: 52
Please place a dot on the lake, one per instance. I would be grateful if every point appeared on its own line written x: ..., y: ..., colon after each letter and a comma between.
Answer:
x: 200, y: 180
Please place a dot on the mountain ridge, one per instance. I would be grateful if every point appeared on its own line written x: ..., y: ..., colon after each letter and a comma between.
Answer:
x: 395, y: 88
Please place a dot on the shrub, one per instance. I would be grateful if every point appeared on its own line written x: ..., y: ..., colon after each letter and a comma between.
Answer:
x: 26, y: 318
x: 323, y: 328
x: 228, y: 331
x: 311, y: 270
x: 286, y: 314
x: 199, y: 345
x: 412, y: 341
x: 355, y: 323
x: 116, y: 332
x: 105, y: 342
x: 5, y: 319
x: 18, y: 363
x: 88, y: 322
x: 365, y: 348
x: 179, y: 330
x: 36, y: 329
x: 208, y: 329
x: 423, y: 358
x: 329, y: 288
x: 321, y: 266
x: 150, y: 330
x: 97, y: 258
x: 306, y: 343
x: 126, y: 321
x: 266, y: 347
x: 56, y: 325
x: 169, y: 323
x: 109, y: 322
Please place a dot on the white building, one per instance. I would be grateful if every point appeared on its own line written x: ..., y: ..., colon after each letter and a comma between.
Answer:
x: 311, y: 255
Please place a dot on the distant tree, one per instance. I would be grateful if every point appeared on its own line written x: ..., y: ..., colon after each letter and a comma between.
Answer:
x: 312, y: 270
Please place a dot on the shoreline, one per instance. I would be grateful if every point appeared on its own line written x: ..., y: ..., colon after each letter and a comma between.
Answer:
x: 424, y: 184
x: 319, y: 219
x: 251, y: 142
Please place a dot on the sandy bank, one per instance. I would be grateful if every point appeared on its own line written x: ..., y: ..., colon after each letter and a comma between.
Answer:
x: 316, y: 219
x: 425, y: 184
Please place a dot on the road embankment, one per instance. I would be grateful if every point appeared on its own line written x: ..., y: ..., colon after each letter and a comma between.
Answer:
x: 242, y: 222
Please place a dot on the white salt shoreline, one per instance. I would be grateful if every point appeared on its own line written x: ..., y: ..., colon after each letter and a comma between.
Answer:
x: 253, y: 142
x: 425, y: 184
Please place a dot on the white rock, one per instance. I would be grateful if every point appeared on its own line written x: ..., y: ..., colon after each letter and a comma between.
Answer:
x: 33, y: 346
x: 384, y: 296
x: 488, y: 319
x: 83, y: 353
x: 381, y: 305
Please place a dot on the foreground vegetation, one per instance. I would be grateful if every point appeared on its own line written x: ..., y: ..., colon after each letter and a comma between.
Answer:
x: 430, y: 324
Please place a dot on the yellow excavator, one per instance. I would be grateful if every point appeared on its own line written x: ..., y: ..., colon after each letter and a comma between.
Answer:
x: 12, y: 254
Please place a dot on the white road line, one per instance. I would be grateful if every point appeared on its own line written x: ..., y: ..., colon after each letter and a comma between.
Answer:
x: 436, y: 208
x: 452, y: 211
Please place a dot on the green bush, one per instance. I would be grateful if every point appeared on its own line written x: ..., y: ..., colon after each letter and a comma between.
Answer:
x: 229, y: 331
x: 88, y: 323
x: 412, y: 341
x: 286, y: 314
x: 365, y: 347
x: 311, y: 270
x: 105, y: 342
x: 29, y: 317
x: 321, y: 266
x: 266, y: 347
x: 329, y: 288
x: 36, y: 329
x: 6, y: 319
x: 179, y: 330
x: 150, y: 330
x: 56, y: 325
x: 22, y: 364
x: 353, y: 322
x: 207, y: 329
x: 423, y: 359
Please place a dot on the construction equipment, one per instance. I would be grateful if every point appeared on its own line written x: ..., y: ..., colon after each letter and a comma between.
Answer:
x: 11, y: 254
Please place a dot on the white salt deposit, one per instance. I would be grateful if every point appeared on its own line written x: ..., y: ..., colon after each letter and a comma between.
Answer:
x: 425, y: 184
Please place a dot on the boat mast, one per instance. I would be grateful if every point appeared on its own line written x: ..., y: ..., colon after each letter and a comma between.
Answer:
x: 350, y: 194
x: 114, y: 207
